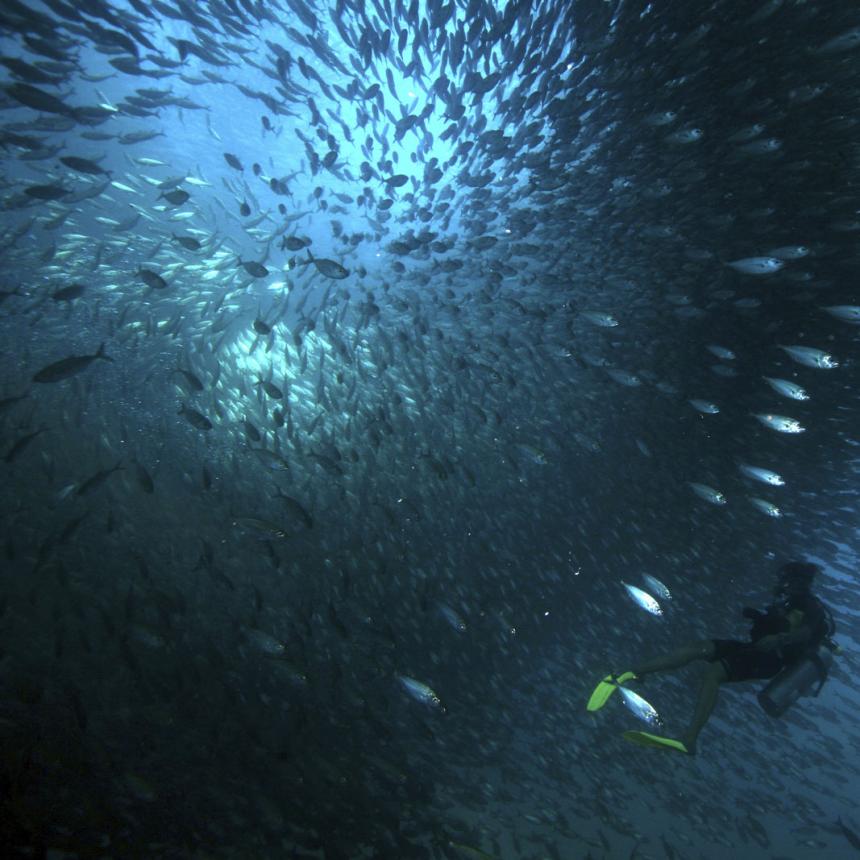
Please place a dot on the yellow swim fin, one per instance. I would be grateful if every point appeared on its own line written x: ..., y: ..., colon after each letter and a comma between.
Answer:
x: 606, y: 688
x: 646, y: 739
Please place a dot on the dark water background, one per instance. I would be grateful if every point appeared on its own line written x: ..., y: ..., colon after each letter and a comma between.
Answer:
x: 197, y: 668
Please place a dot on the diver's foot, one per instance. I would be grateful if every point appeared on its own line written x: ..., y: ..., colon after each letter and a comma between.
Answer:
x: 647, y: 739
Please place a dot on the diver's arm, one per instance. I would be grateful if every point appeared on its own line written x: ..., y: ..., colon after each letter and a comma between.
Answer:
x: 780, y: 640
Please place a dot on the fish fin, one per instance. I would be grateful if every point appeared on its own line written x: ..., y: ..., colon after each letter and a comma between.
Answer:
x: 101, y: 352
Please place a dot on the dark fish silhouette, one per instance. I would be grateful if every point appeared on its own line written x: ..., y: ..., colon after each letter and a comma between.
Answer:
x: 70, y: 366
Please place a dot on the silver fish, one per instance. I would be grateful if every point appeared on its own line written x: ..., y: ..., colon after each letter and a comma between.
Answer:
x: 790, y: 252
x: 721, y: 352
x: 421, y: 692
x: 780, y: 423
x: 600, y: 319
x: 757, y: 265
x: 642, y: 709
x: 765, y: 476
x: 656, y: 586
x: 848, y: 313
x: 787, y: 389
x: 708, y: 494
x: 453, y: 617
x: 810, y: 357
x: 643, y: 599
x: 765, y: 507
x: 704, y: 406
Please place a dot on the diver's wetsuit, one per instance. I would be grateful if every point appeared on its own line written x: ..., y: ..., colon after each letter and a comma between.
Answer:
x: 744, y: 662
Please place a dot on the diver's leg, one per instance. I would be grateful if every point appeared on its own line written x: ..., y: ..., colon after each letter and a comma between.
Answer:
x: 713, y: 677
x: 703, y: 650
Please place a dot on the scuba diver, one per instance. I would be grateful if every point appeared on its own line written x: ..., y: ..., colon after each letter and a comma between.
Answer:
x: 790, y: 643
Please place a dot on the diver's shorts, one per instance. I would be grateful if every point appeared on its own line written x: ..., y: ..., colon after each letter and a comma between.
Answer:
x: 743, y: 662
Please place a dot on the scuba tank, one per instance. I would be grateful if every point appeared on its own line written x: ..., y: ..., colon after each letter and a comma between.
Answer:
x: 797, y: 680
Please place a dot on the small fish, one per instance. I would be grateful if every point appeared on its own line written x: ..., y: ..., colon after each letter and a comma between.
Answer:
x: 643, y: 599
x: 848, y: 41
x: 253, y: 268
x: 9, y: 402
x: 20, y: 445
x: 780, y: 423
x: 848, y: 313
x: 757, y: 265
x: 469, y: 852
x: 68, y: 294
x: 765, y: 507
x: 761, y: 147
x: 70, y: 366
x: 64, y: 493
x: 790, y: 252
x: 421, y: 692
x: 624, y: 377
x: 176, y: 197
x: 294, y: 243
x: 83, y: 165
x: 709, y: 494
x: 192, y: 379
x: 641, y: 708
x: 46, y: 192
x: 600, y: 319
x: 721, y: 352
x: 328, y: 268
x: 152, y: 279
x: 187, y: 242
x: 266, y: 527
x: 665, y: 117
x: 121, y: 186
x: 271, y: 389
x: 810, y: 357
x: 270, y: 459
x: 96, y: 480
x: 689, y: 135
x: 193, y: 417
x: 532, y: 454
x: 704, y: 406
x: 746, y: 134
x: 657, y: 587
x: 765, y: 476
x: 295, y: 509
x: 144, y: 479
x: 787, y: 389
x: 452, y: 617
x: 251, y: 431
x: 264, y: 642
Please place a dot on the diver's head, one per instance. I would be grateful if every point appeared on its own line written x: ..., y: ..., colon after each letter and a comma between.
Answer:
x: 795, y: 578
